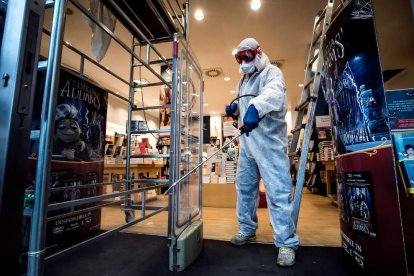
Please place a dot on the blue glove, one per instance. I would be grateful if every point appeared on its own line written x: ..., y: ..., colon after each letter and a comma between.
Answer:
x: 251, y: 119
x: 231, y: 109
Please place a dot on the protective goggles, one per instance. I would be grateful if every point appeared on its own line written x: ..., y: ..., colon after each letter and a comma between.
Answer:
x: 247, y: 55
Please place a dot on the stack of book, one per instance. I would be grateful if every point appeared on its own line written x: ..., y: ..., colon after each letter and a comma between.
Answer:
x: 230, y: 167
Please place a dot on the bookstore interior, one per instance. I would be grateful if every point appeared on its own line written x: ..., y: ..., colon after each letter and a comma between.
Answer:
x: 125, y: 128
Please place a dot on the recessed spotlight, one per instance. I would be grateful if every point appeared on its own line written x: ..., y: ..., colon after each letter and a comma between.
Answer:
x: 199, y: 15
x: 255, y: 5
x: 213, y: 112
x: 226, y: 78
x: 206, y: 104
x: 232, y: 91
x: 300, y: 84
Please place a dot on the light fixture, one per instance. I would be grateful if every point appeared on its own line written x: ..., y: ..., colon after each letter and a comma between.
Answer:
x: 199, y: 15
x: 232, y: 91
x: 226, y: 78
x: 300, y: 84
x: 255, y: 5
x: 206, y: 104
x: 156, y: 100
x: 234, y: 52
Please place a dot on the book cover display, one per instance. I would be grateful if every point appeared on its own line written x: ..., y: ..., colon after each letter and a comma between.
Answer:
x: 400, y: 106
x: 77, y: 156
x: 363, y: 152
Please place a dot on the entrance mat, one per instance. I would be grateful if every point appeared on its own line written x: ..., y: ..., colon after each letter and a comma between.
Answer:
x: 135, y: 254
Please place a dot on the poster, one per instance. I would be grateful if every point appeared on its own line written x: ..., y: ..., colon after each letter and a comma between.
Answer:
x: 400, y: 106
x: 77, y: 155
x: 354, y: 80
x: 360, y: 203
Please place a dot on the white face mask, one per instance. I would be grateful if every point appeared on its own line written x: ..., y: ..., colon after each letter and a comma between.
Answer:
x: 247, y: 68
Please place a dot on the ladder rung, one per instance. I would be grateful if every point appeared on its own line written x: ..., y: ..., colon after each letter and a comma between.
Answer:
x: 321, y: 16
x: 302, y: 106
x: 151, y: 131
x: 318, y: 35
x: 298, y: 128
x: 150, y: 156
x: 151, y: 107
x: 149, y: 84
x: 315, y: 57
x: 292, y: 154
x: 309, y: 83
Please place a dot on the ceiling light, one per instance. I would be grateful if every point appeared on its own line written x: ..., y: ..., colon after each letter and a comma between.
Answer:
x: 234, y: 52
x: 226, y: 78
x: 232, y: 91
x: 199, y: 15
x: 156, y: 100
x: 255, y: 5
x: 206, y: 104
x: 300, y: 84
x: 213, y: 112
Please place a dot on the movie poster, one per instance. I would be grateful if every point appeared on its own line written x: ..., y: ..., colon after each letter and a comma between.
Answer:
x: 403, y: 143
x: 77, y: 155
x: 360, y: 203
x: 354, y: 80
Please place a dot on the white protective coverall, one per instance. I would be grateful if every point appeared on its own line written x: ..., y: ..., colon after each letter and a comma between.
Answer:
x: 263, y: 152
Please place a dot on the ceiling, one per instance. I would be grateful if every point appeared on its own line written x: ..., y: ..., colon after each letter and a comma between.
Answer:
x: 283, y: 29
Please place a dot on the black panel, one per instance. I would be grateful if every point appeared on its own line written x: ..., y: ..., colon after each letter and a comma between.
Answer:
x: 3, y: 8
x: 206, y: 129
x: 389, y: 74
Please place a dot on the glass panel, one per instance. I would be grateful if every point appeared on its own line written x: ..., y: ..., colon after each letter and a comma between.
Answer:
x: 190, y: 144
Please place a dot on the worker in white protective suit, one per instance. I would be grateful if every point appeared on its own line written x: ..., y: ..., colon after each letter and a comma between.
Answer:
x: 263, y: 151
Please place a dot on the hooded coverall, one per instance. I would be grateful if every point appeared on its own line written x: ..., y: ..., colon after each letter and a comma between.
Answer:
x: 263, y: 152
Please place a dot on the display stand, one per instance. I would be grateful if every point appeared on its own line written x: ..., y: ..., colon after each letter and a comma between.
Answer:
x: 370, y: 217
